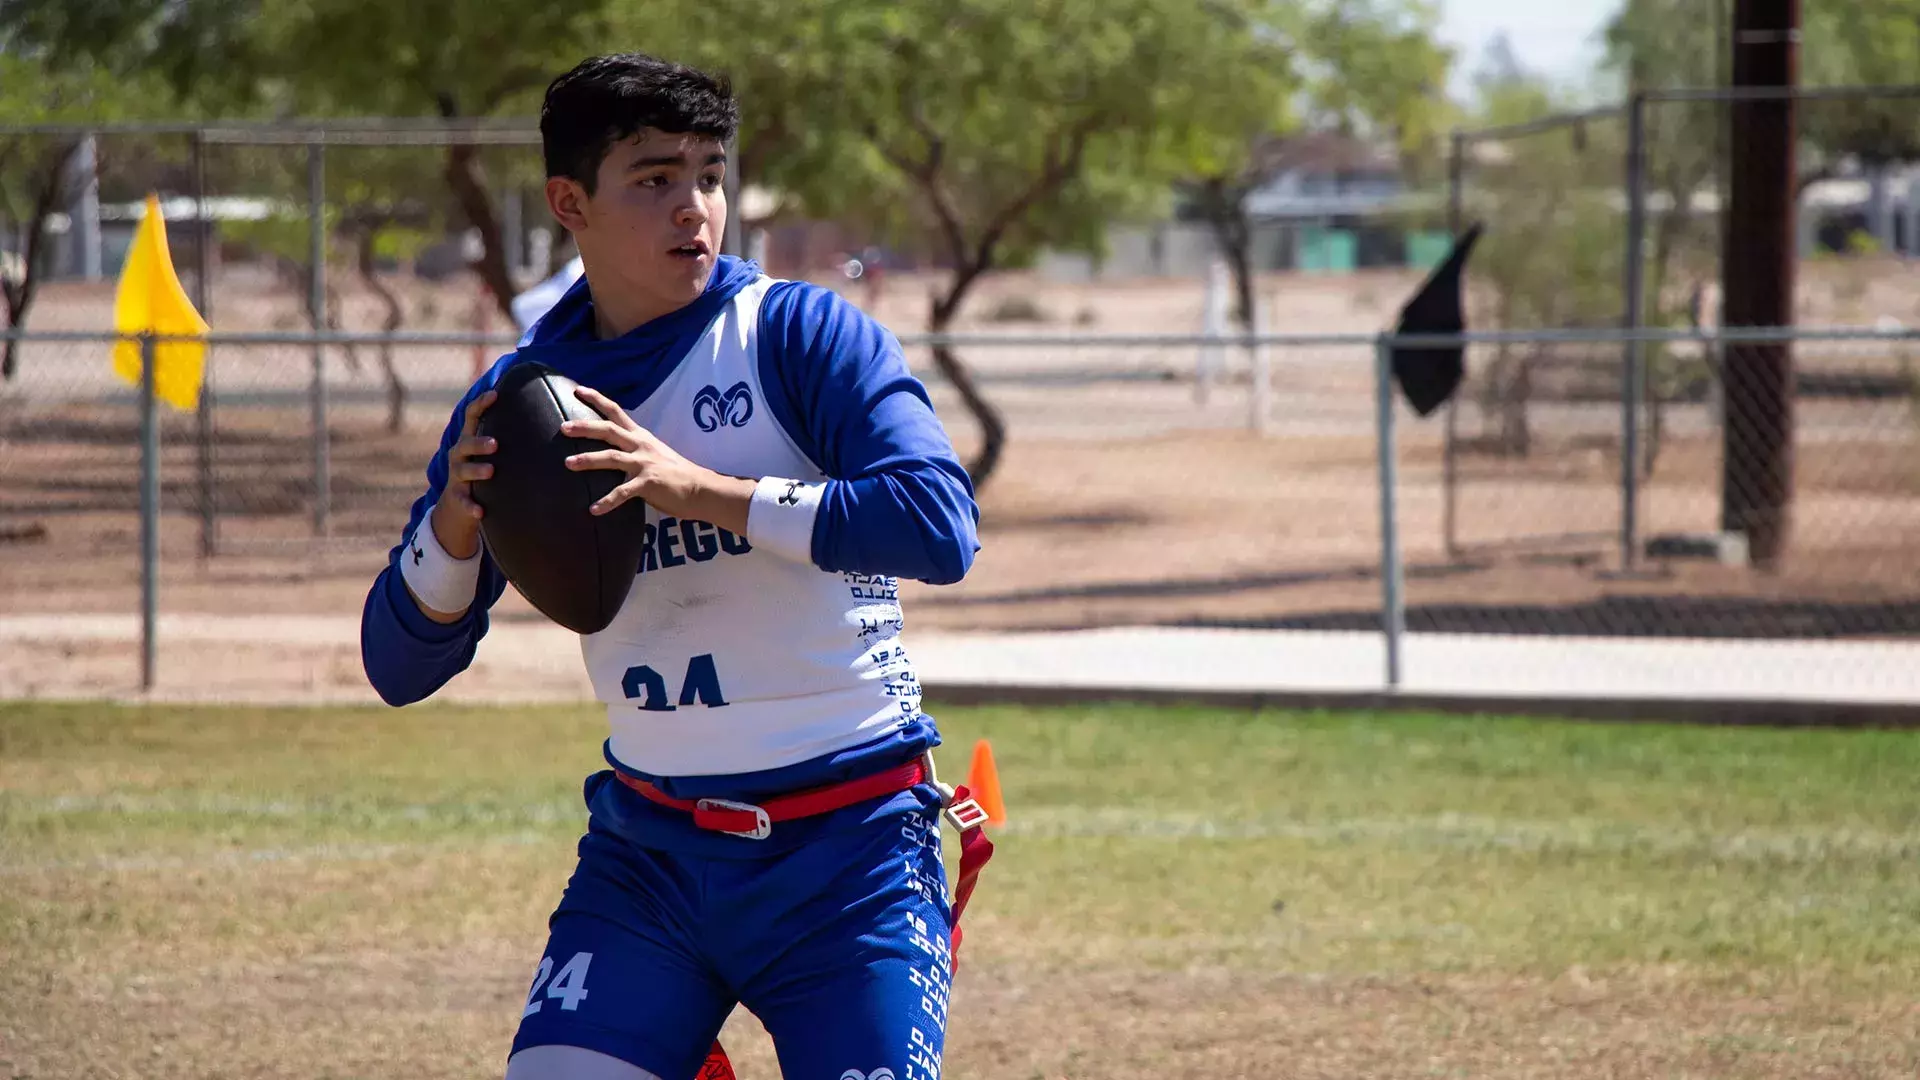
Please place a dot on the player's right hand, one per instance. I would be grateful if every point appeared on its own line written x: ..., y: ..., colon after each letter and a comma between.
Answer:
x: 456, y: 518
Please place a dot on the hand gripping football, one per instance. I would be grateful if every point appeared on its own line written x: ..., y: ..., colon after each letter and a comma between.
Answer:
x: 574, y: 567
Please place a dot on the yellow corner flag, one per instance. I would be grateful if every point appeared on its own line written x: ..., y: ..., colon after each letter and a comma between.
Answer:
x: 151, y: 300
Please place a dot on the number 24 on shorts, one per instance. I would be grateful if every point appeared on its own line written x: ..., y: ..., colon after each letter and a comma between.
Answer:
x: 570, y: 986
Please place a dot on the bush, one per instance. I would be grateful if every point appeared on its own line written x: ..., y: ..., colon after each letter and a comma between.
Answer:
x: 1014, y: 309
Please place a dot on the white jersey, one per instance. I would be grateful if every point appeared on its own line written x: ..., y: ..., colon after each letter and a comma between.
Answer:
x: 731, y: 654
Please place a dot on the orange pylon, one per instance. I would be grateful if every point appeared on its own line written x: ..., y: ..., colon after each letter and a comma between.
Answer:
x: 983, y: 782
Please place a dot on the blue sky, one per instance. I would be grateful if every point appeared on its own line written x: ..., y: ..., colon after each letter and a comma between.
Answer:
x: 1556, y: 38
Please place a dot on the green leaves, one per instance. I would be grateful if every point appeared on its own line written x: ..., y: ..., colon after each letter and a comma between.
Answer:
x: 1662, y: 44
x: 985, y: 126
x: 1375, y: 67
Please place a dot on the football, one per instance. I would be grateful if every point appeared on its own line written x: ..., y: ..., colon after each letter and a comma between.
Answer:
x: 572, y: 566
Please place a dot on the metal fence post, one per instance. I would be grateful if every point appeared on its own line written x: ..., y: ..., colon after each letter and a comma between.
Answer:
x: 1260, y: 400
x: 1393, y: 615
x: 732, y: 239
x: 1213, y: 324
x: 203, y: 296
x: 1449, y: 456
x: 1632, y: 383
x: 149, y: 514
x: 317, y: 309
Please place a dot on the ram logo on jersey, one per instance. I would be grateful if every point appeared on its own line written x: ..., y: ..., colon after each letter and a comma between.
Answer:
x: 673, y: 541
x: 713, y: 410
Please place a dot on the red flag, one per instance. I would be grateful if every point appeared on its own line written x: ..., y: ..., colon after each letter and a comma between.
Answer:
x: 717, y: 1067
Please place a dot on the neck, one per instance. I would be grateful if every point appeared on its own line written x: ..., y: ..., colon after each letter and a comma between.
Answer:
x: 617, y: 316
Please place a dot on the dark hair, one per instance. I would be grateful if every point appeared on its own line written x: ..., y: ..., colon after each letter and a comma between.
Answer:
x: 605, y: 99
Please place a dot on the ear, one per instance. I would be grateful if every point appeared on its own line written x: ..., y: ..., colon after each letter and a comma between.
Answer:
x: 567, y: 200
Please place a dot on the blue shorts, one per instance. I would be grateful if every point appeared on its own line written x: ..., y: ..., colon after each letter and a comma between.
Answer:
x: 838, y: 946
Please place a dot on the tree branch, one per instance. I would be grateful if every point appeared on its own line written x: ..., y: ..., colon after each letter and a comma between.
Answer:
x: 761, y: 148
x: 19, y: 296
x: 1060, y: 168
x: 514, y: 80
x: 927, y: 174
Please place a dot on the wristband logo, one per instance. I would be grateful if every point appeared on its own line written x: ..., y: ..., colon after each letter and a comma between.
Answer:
x: 713, y: 410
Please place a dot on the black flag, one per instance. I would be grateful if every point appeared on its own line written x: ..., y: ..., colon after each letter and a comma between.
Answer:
x: 1429, y: 376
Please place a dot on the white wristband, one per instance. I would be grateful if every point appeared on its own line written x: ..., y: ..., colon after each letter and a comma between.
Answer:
x: 437, y: 579
x: 780, y: 518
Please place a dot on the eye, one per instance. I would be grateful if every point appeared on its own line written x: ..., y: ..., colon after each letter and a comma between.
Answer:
x: 653, y: 181
x: 710, y: 182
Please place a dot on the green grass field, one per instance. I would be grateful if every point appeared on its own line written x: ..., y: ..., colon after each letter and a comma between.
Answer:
x: 199, y: 892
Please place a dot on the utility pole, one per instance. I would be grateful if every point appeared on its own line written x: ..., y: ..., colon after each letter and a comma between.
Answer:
x: 1757, y: 269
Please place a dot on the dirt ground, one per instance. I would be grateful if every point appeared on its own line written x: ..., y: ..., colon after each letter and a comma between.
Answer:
x: 1122, y: 499
x: 445, y: 1014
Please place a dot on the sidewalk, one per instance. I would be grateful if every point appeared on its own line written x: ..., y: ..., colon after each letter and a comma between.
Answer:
x: 316, y: 659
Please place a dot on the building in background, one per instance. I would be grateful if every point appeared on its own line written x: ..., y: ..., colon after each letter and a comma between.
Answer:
x: 1329, y: 203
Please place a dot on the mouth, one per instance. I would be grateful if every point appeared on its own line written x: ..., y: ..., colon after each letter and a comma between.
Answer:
x: 695, y: 249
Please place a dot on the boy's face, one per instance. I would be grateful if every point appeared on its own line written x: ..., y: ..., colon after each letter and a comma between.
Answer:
x: 650, y: 232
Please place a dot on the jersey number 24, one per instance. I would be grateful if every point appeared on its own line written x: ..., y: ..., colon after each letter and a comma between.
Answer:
x: 700, y: 686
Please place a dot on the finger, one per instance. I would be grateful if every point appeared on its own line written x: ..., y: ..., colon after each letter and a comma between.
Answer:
x: 473, y: 446
x: 613, y: 499
x: 604, y: 430
x: 468, y: 471
x: 603, y: 459
x: 475, y: 408
x: 605, y: 407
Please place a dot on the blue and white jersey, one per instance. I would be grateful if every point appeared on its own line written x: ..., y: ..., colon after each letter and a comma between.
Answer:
x: 736, y: 654
x: 741, y: 665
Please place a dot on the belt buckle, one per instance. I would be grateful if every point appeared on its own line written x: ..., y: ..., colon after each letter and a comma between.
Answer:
x: 964, y: 813
x: 762, y: 826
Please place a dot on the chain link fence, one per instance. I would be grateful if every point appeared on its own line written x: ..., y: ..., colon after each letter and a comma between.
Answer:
x: 1577, y: 484
x: 1177, y: 506
x: 1105, y: 432
x: 1671, y: 558
x: 1619, y: 217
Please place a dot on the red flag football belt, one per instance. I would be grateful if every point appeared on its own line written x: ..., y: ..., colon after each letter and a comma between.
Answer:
x: 755, y: 821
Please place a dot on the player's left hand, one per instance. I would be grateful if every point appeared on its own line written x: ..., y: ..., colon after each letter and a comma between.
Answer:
x: 655, y: 471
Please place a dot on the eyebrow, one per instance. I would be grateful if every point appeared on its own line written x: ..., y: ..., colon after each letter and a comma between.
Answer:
x: 672, y: 159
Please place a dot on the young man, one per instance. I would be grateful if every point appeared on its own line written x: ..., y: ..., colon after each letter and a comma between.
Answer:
x: 793, y: 470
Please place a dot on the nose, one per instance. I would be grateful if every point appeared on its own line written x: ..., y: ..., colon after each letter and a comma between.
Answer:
x: 693, y: 211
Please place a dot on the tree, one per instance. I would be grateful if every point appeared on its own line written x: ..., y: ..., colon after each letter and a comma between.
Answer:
x: 1670, y: 44
x: 1666, y: 45
x: 1663, y: 44
x: 381, y: 204
x: 36, y: 170
x: 777, y: 61
x: 385, y: 227
x: 1551, y: 256
x: 1861, y: 43
x: 990, y: 128
x: 1366, y: 69
x: 1500, y: 64
x: 455, y: 59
